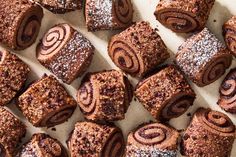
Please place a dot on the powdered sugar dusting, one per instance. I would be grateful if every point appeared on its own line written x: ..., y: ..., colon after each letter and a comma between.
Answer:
x: 72, y: 57
x: 133, y: 151
x: 100, y: 12
x: 198, y: 51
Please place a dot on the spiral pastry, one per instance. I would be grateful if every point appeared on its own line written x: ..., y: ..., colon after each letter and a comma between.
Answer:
x: 105, y: 96
x: 203, y: 58
x: 20, y: 23
x: 183, y: 16
x: 91, y: 139
x: 108, y: 14
x: 154, y: 139
x: 138, y: 49
x: 46, y: 103
x: 14, y: 73
x: 42, y: 145
x: 210, y: 133
x: 165, y: 100
x: 12, y: 130
x: 227, y: 100
x: 60, y: 6
x: 229, y: 32
x: 65, y: 52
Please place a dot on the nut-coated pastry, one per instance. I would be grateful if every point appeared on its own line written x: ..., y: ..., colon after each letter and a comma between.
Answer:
x: 229, y: 32
x: 46, y: 103
x: 108, y: 14
x: 12, y: 130
x: 65, y: 52
x: 203, y: 58
x: 210, y: 133
x: 93, y: 140
x: 227, y: 100
x: 42, y: 145
x: 20, y: 21
x: 154, y: 140
x: 166, y: 94
x: 13, y: 75
x: 105, y: 96
x: 137, y: 50
x: 183, y: 16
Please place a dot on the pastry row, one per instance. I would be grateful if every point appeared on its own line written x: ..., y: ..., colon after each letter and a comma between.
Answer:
x: 210, y: 133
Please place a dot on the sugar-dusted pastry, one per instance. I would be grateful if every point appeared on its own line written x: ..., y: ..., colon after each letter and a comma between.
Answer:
x: 65, y: 52
x: 105, y: 95
x: 203, y: 58
x: 12, y: 130
x: 166, y: 94
x: 210, y: 133
x: 93, y: 140
x: 183, y: 16
x: 227, y: 100
x: 138, y: 49
x: 46, y: 103
x: 20, y: 21
x: 154, y: 140
x: 229, y: 32
x: 60, y: 6
x: 42, y: 145
x: 13, y: 74
x: 108, y: 14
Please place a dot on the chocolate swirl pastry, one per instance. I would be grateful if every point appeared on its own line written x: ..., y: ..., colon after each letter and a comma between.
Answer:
x: 203, y: 58
x: 105, y: 96
x: 60, y: 6
x: 46, y: 103
x: 138, y: 49
x: 183, y: 16
x: 91, y: 139
x: 154, y: 139
x: 108, y: 14
x: 42, y: 145
x: 165, y: 100
x: 65, y: 52
x: 13, y: 74
x: 12, y: 130
x: 229, y: 32
x: 210, y: 133
x: 20, y: 22
x: 227, y: 100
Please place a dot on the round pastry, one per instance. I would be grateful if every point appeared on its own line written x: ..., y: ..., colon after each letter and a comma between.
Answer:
x: 229, y: 32
x: 20, y: 22
x: 210, y: 133
x: 93, y: 140
x: 46, y: 103
x: 12, y: 130
x: 13, y: 72
x: 227, y: 100
x: 154, y: 139
x: 138, y: 49
x: 183, y: 16
x: 42, y: 145
x: 108, y: 14
x: 105, y: 96
x: 61, y: 6
x: 203, y: 58
x: 166, y: 94
x: 65, y: 52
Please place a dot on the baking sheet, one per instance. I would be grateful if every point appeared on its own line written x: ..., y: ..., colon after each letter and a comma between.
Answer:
x: 144, y: 9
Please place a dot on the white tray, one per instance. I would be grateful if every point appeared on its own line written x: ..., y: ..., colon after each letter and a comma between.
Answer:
x: 144, y: 9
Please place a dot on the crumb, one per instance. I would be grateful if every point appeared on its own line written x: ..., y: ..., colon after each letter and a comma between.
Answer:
x: 54, y: 129
x: 189, y: 114
x: 156, y: 29
x: 135, y: 99
x: 214, y: 20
